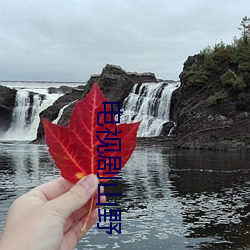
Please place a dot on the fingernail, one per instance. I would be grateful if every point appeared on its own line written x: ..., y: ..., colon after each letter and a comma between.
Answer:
x: 89, y: 182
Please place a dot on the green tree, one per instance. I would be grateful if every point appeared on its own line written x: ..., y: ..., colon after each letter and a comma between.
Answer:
x: 245, y: 28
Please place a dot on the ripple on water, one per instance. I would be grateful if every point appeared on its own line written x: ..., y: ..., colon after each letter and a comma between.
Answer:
x: 165, y: 205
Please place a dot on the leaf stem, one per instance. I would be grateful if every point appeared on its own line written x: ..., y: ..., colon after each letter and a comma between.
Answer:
x: 88, y: 215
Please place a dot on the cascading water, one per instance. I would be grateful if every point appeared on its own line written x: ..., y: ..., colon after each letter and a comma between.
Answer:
x: 149, y: 103
x: 25, y: 117
x: 61, y: 112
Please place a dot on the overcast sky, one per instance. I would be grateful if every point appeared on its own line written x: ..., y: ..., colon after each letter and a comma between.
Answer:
x: 68, y: 40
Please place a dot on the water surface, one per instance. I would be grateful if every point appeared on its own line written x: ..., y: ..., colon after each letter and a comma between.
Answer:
x: 171, y: 199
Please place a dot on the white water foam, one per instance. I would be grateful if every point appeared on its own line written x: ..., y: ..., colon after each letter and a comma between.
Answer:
x: 149, y: 103
x: 25, y: 117
x: 61, y: 112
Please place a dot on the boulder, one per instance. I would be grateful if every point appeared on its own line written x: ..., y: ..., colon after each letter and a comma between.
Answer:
x: 116, y: 83
x: 166, y: 128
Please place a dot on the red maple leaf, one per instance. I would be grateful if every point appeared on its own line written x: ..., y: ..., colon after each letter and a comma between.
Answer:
x: 75, y: 148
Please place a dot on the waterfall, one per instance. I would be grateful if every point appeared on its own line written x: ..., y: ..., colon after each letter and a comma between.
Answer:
x: 61, y: 112
x: 25, y: 117
x: 149, y: 103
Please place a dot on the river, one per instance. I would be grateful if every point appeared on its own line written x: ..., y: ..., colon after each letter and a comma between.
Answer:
x: 171, y: 199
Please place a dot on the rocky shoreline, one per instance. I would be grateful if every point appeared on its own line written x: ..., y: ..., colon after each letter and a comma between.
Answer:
x: 221, y: 126
x: 198, y: 126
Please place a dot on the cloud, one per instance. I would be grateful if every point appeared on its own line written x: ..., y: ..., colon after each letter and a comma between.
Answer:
x: 70, y: 40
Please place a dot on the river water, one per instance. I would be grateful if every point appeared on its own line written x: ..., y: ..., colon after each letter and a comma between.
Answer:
x: 171, y: 199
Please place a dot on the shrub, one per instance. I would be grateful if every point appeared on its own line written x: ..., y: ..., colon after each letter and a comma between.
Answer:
x: 216, y: 98
x: 227, y: 78
x: 239, y: 84
x: 197, y: 75
x: 242, y: 96
x: 206, y: 51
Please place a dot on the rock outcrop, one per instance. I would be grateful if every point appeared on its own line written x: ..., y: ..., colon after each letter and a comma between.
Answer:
x: 64, y: 89
x: 167, y: 129
x: 52, y: 112
x: 207, y: 114
x: 204, y: 119
x: 7, y: 104
x: 116, y: 83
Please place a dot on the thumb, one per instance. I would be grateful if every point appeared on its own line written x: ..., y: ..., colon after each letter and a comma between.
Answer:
x: 76, y: 197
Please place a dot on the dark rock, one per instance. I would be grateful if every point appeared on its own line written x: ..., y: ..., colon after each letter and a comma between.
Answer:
x: 7, y: 104
x: 166, y: 142
x: 223, y: 126
x: 184, y: 76
x: 31, y: 101
x: 52, y: 112
x: 166, y: 128
x: 60, y: 90
x: 176, y: 96
x: 116, y: 83
x: 242, y: 116
x: 64, y: 89
x: 80, y: 87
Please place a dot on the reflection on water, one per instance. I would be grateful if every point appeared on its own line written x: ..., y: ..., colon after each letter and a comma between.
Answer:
x: 171, y: 200
x: 22, y: 167
x: 151, y: 215
x: 215, y: 192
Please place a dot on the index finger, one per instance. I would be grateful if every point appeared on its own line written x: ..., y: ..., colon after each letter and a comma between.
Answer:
x: 54, y: 188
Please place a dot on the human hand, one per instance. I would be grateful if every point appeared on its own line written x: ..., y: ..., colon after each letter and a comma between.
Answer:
x: 50, y: 216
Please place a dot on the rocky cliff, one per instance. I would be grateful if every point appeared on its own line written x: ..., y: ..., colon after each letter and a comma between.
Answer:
x: 116, y: 83
x: 7, y: 104
x: 210, y: 114
x: 211, y: 108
